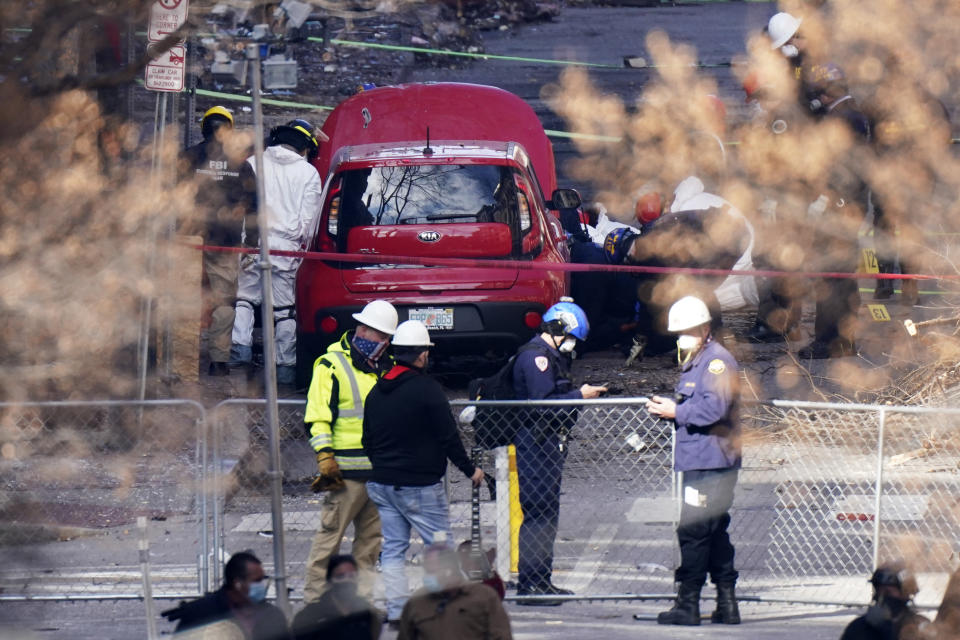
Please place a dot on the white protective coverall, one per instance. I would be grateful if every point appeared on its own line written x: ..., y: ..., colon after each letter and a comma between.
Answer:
x: 736, y: 291
x: 292, y: 193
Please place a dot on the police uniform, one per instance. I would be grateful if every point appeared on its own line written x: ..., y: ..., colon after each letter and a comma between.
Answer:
x: 708, y: 454
x: 540, y: 372
x: 342, y: 379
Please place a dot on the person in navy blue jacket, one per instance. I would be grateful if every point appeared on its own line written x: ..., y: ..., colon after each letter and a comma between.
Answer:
x: 705, y: 409
x: 541, y: 371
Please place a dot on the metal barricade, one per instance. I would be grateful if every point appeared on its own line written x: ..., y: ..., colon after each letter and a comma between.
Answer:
x: 829, y: 491
x: 239, y: 480
x: 594, y: 482
x: 76, y: 478
x: 826, y: 492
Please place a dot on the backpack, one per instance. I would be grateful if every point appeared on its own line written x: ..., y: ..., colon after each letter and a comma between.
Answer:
x: 497, y: 426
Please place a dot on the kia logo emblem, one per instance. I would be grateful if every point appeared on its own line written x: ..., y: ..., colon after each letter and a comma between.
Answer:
x: 428, y: 236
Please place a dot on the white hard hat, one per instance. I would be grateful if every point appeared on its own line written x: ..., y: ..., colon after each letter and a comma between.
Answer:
x: 686, y: 313
x: 412, y: 333
x: 781, y: 28
x: 379, y: 315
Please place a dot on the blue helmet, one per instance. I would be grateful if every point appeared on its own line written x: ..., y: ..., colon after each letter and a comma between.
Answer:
x: 617, y: 244
x: 571, y: 319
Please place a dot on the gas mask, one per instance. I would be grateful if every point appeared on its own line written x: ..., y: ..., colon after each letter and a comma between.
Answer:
x: 815, y: 100
x: 789, y: 51
x: 687, y: 346
x: 258, y: 591
x: 568, y: 345
x: 371, y: 349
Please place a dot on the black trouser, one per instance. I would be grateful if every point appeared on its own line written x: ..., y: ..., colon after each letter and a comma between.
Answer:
x: 779, y: 303
x: 705, y: 545
x: 539, y: 472
x: 838, y: 299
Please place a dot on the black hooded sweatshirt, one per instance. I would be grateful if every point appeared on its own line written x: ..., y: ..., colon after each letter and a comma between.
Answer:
x: 409, y: 431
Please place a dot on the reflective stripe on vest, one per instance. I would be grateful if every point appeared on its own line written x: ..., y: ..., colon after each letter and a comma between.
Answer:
x: 354, y: 463
x: 357, y: 411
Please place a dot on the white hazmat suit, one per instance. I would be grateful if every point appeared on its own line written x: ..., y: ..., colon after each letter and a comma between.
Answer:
x: 292, y: 189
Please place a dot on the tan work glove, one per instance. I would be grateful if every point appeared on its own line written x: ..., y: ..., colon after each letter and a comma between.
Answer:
x: 328, y: 476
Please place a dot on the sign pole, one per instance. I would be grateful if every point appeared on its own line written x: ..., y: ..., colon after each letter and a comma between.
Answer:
x: 269, y: 345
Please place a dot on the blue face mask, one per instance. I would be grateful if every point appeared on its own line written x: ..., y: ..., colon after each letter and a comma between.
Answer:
x: 432, y: 583
x: 258, y: 591
x: 371, y: 349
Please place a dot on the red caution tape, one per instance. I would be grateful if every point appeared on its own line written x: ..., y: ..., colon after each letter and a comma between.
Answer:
x: 569, y: 267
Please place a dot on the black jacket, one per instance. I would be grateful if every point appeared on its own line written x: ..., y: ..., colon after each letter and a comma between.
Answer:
x: 877, y: 624
x: 409, y: 431
x: 222, y: 201
x: 337, y: 616
x: 269, y: 621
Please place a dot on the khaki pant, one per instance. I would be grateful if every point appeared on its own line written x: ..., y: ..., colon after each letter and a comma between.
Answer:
x: 340, y: 508
x: 221, y: 270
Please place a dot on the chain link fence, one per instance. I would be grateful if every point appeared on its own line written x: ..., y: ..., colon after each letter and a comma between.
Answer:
x: 239, y: 467
x: 828, y: 491
x: 807, y: 521
x: 77, y: 477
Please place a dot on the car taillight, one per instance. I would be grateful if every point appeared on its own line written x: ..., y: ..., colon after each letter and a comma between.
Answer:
x: 329, y: 324
x: 524, y: 206
x: 333, y: 214
x: 532, y: 319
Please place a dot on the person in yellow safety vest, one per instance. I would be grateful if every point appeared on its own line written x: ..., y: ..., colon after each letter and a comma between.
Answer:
x: 342, y: 378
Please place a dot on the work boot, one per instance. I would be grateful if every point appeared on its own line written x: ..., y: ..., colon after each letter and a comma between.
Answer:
x: 761, y: 333
x: 286, y: 375
x: 218, y: 369
x: 686, y: 608
x: 909, y: 292
x: 542, y: 593
x: 727, y: 611
x: 883, y: 290
x: 818, y: 350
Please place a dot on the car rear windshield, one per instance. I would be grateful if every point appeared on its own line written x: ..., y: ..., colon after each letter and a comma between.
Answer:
x: 426, y: 194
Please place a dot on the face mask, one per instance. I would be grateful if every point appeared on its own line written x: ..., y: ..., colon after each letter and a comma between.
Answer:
x: 432, y: 583
x: 568, y: 345
x: 687, y: 346
x: 789, y: 51
x: 371, y: 349
x: 258, y: 591
x: 345, y: 586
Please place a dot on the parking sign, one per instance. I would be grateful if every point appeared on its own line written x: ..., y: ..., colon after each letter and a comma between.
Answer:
x: 166, y: 72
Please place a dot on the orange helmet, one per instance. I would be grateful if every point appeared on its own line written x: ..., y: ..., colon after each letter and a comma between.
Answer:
x: 649, y: 207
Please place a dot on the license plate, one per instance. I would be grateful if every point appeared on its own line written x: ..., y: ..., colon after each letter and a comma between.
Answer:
x: 434, y: 318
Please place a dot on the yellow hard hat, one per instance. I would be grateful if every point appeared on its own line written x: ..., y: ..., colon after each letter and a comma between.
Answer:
x: 206, y: 124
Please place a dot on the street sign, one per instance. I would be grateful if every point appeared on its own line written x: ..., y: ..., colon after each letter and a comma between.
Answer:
x: 166, y: 16
x: 166, y: 72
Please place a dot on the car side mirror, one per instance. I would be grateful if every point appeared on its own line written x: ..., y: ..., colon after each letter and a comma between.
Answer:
x: 565, y: 199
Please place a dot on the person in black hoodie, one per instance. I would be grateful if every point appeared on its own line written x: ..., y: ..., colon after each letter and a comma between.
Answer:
x: 409, y: 434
